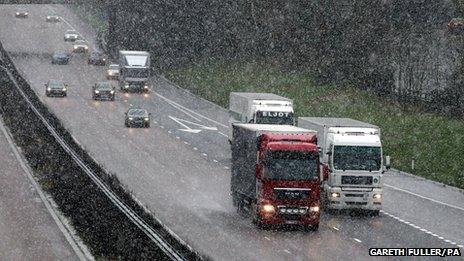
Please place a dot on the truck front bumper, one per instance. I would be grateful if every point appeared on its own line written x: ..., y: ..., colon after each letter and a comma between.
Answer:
x: 310, y: 218
x: 353, y: 198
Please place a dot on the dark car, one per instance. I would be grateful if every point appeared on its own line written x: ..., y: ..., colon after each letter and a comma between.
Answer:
x: 97, y: 58
x: 21, y: 14
x: 52, y: 18
x: 103, y: 90
x: 137, y: 117
x: 56, y: 88
x: 456, y: 26
x: 61, y: 57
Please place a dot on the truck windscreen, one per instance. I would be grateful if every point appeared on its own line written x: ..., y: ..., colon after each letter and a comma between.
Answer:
x: 135, y: 72
x: 291, y: 165
x: 357, y: 158
x: 274, y: 117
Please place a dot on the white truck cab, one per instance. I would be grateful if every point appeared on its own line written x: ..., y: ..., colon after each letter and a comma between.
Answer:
x: 351, y: 161
x: 259, y: 108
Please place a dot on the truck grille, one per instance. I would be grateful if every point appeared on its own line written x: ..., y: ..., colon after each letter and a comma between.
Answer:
x: 357, y: 180
x: 288, y: 193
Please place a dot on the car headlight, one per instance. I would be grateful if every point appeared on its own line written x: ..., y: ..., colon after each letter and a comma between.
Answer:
x: 97, y: 91
x: 86, y: 47
x: 377, y: 196
x: 75, y: 47
x: 112, y: 92
x: 109, y: 72
x: 130, y: 118
x: 49, y: 89
x: 268, y: 208
x: 335, y: 195
x: 48, y: 17
x: 146, y: 119
x: 314, y: 209
x: 64, y: 89
x: 126, y: 86
x: 26, y: 13
x: 104, y: 59
x: 17, y: 13
x: 145, y: 87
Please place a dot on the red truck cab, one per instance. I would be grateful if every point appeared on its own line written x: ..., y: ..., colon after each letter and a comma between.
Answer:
x: 285, y: 186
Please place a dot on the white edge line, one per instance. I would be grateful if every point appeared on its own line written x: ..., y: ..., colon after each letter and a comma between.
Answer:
x: 357, y: 240
x: 424, y: 197
x: 27, y: 172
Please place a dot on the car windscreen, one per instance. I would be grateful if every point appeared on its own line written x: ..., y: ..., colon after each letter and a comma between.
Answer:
x: 55, y: 85
x: 137, y: 113
x: 290, y: 165
x: 357, y: 158
x: 104, y: 86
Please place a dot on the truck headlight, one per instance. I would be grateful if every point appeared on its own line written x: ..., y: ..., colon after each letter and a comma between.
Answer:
x: 49, y: 89
x: 314, y: 209
x: 130, y: 118
x: 377, y: 196
x: 48, y: 17
x: 145, y: 87
x: 17, y: 13
x: 147, y: 119
x: 64, y: 89
x: 86, y: 47
x: 268, y: 208
x: 97, y: 91
x: 335, y: 195
x: 112, y: 92
x: 75, y: 47
x: 126, y: 85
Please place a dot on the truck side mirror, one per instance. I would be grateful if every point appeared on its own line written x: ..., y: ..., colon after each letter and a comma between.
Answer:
x: 387, y: 162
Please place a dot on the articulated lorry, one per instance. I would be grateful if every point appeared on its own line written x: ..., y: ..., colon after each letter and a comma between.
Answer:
x: 275, y: 174
x: 351, y: 162
x: 134, y: 70
x: 259, y: 108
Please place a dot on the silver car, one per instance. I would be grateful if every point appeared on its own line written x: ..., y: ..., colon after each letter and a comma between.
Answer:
x: 80, y: 46
x: 71, y: 36
x: 21, y: 14
x: 52, y: 18
x: 113, y: 71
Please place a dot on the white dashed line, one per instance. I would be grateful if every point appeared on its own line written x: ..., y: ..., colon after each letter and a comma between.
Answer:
x: 186, y: 143
x: 215, y: 161
x: 169, y: 131
x: 226, y: 167
x: 162, y: 127
x: 223, y: 134
x: 204, y: 154
x: 177, y: 137
x: 336, y: 228
x: 420, y: 196
x: 195, y: 148
x: 267, y: 238
x: 421, y: 229
x: 357, y: 240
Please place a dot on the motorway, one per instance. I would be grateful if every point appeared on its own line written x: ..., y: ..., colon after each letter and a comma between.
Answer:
x: 179, y: 168
x: 27, y: 225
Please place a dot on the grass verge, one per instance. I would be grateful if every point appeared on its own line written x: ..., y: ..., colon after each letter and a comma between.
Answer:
x: 436, y: 143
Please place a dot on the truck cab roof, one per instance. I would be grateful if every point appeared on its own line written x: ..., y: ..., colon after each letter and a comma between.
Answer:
x: 356, y: 140
x: 260, y: 96
x: 337, y: 122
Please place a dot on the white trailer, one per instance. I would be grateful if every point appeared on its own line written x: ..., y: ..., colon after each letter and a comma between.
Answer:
x: 134, y: 70
x: 259, y: 108
x: 351, y: 161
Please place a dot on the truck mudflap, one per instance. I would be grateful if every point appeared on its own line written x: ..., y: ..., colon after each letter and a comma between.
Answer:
x: 353, y: 198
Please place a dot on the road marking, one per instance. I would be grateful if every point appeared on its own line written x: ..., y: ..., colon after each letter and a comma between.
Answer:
x: 287, y: 251
x: 162, y: 127
x: 420, y: 196
x: 223, y: 134
x: 421, y: 229
x: 189, y: 110
x: 81, y: 252
x: 177, y: 137
x: 226, y: 167
x: 186, y: 143
x: 336, y: 228
x: 169, y: 131
x: 357, y: 240
x: 195, y: 148
x: 204, y: 154
x: 215, y: 161
x: 267, y: 238
x: 461, y: 246
x: 184, y: 123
